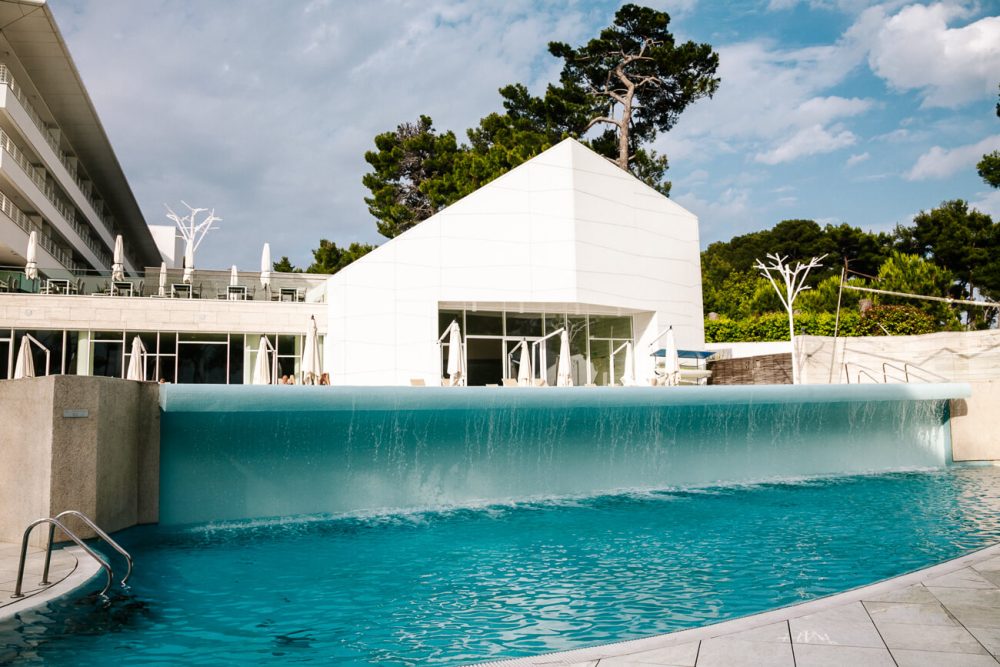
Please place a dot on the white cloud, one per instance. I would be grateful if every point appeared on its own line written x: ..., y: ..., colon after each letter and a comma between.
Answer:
x: 916, y: 50
x: 264, y: 109
x: 727, y: 211
x: 989, y: 203
x: 941, y: 162
x: 811, y: 140
x: 857, y: 158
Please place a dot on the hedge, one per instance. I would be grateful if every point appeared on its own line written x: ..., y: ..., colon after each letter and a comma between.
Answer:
x: 896, y: 320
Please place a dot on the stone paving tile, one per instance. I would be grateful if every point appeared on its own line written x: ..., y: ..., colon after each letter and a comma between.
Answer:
x: 989, y: 565
x: 904, y: 612
x: 917, y: 594
x: 964, y: 578
x: 849, y: 625
x: 726, y: 652
x: 991, y: 576
x: 988, y: 637
x: 953, y: 639
x: 775, y: 632
x: 980, y: 617
x: 906, y: 658
x: 681, y: 655
x: 972, y: 597
x: 808, y: 655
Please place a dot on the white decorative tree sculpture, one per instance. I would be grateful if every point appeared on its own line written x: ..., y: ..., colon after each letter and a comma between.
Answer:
x: 794, y: 279
x: 191, y: 230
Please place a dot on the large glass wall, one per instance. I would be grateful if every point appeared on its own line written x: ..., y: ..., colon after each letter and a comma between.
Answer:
x: 491, y: 338
x: 202, y: 358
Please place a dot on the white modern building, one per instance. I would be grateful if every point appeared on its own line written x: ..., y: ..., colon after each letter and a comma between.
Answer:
x: 59, y: 175
x: 565, y: 240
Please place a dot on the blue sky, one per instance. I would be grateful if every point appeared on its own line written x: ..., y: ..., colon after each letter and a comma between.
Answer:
x: 834, y: 110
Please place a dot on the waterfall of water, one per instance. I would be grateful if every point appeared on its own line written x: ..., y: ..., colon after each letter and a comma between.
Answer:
x: 246, y: 451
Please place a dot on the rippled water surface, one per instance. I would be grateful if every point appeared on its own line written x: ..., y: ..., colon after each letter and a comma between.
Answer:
x: 463, y: 585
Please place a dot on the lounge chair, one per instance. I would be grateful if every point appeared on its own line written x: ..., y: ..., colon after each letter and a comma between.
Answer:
x: 509, y: 382
x: 417, y: 382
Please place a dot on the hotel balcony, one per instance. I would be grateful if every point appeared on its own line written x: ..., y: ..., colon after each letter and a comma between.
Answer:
x: 21, y: 118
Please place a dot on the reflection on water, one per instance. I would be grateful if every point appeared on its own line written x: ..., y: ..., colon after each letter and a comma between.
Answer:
x: 457, y: 585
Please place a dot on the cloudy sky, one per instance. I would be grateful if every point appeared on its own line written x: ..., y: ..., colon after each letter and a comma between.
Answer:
x: 834, y: 110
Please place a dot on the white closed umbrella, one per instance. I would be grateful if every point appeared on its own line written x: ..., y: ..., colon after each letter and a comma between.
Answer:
x: 564, y: 373
x: 234, y: 277
x: 25, y: 366
x: 265, y: 266
x: 137, y: 362
x: 31, y: 265
x: 628, y: 376
x: 671, y: 363
x: 118, y: 264
x: 311, y: 369
x: 188, y: 262
x: 163, y: 279
x: 524, y: 365
x: 456, y: 356
x: 262, y: 368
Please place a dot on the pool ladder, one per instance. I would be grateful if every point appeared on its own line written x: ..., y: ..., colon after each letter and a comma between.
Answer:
x: 54, y: 522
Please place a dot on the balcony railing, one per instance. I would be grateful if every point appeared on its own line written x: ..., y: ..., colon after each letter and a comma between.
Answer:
x: 206, y: 284
x: 65, y: 210
x: 44, y: 240
x: 6, y: 78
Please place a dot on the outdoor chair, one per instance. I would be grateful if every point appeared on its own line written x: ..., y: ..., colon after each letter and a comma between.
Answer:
x: 417, y: 382
x: 509, y: 382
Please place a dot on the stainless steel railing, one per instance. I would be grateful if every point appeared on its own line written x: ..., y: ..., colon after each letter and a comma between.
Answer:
x: 54, y: 523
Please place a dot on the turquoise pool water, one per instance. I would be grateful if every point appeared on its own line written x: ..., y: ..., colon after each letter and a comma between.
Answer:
x: 462, y: 585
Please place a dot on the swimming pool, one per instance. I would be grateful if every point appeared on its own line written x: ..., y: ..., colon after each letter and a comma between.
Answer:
x: 454, y: 586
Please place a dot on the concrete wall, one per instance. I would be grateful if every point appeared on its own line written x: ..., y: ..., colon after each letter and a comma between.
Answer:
x: 104, y: 313
x: 975, y: 424
x: 84, y: 443
x: 967, y: 356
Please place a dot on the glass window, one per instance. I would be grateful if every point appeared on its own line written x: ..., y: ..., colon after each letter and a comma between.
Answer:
x: 610, y: 327
x: 236, y: 357
x: 483, y: 323
x: 168, y: 343
x: 484, y: 361
x: 578, y: 339
x: 202, y: 363
x: 524, y: 324
x: 51, y: 341
x: 554, y: 322
x: 106, y: 358
x: 72, y: 340
x: 600, y: 363
x: 5, y: 369
x: 446, y: 317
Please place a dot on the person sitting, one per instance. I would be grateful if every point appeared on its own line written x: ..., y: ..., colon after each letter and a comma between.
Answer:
x: 284, y: 379
x: 324, y: 379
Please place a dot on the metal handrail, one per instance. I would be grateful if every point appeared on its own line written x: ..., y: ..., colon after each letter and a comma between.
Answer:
x: 862, y: 370
x: 24, y: 554
x: 100, y: 533
x: 885, y: 371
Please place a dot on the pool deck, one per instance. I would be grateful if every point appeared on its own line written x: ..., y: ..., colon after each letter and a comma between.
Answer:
x: 68, y: 570
x: 948, y: 614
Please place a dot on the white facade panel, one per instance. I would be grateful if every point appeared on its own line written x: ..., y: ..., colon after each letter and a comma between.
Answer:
x: 565, y: 232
